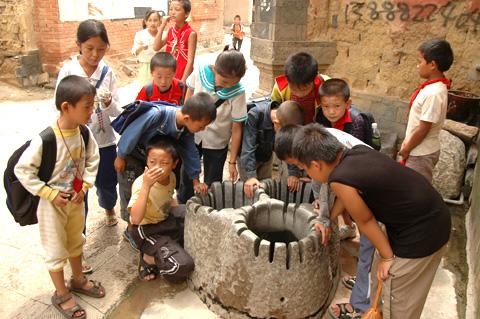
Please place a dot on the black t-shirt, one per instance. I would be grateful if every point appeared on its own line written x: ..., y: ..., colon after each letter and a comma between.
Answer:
x: 417, y: 220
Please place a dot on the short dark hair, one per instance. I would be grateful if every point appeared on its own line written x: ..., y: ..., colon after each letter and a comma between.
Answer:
x: 284, y: 141
x: 200, y: 106
x: 230, y: 63
x: 163, y: 60
x: 187, y: 6
x: 335, y: 87
x: 439, y: 51
x: 313, y: 142
x: 290, y: 113
x: 71, y: 89
x: 301, y: 68
x: 237, y: 16
x: 165, y: 143
x: 147, y: 16
x: 91, y: 28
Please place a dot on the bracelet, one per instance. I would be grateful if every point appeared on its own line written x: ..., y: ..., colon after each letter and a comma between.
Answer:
x: 232, y: 163
x: 386, y: 259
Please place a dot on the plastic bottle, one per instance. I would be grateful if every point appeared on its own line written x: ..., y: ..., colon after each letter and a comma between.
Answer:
x: 376, y: 137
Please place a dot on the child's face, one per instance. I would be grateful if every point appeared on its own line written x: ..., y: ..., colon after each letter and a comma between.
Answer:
x: 177, y: 13
x: 93, y: 50
x: 163, y: 77
x: 160, y: 158
x: 236, y: 20
x: 334, y: 107
x: 195, y: 126
x: 317, y: 170
x: 301, y: 90
x: 153, y: 22
x: 81, y: 112
x: 424, y: 68
x: 225, y: 81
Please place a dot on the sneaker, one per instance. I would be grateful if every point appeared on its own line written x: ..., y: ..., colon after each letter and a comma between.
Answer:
x: 347, y: 232
x: 128, y: 237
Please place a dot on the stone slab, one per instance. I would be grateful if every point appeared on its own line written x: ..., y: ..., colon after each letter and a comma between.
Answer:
x: 466, y: 133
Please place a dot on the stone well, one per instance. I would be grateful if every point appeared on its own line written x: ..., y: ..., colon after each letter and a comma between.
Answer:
x: 260, y: 257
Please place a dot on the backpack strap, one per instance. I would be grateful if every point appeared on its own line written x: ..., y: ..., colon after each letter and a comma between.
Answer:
x: 85, y: 134
x: 149, y: 90
x: 102, y: 76
x: 182, y: 89
x: 49, y: 154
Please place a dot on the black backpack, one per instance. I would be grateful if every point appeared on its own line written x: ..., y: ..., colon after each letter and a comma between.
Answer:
x: 264, y: 149
x: 20, y: 202
x: 367, y: 128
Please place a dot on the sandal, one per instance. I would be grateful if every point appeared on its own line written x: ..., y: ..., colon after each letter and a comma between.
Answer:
x: 69, y: 312
x: 87, y: 269
x: 96, y: 291
x: 145, y: 269
x: 344, y: 313
x: 110, y: 218
x: 349, y: 281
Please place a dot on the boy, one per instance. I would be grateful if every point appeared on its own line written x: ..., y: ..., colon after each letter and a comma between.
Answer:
x: 337, y: 112
x: 258, y: 138
x: 164, y: 86
x: 178, y: 123
x: 60, y: 210
x: 417, y: 224
x: 157, y: 218
x: 237, y: 33
x: 428, y: 108
x: 300, y: 83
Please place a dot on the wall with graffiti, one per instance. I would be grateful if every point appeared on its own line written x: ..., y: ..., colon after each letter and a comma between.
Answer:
x: 377, y: 40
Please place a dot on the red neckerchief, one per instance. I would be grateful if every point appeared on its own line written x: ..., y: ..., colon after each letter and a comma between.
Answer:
x: 346, y: 118
x: 424, y: 84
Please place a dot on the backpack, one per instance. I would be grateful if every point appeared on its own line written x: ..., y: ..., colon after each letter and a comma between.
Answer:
x: 132, y: 111
x: 20, y: 202
x: 149, y: 91
x: 263, y: 151
x: 367, y: 128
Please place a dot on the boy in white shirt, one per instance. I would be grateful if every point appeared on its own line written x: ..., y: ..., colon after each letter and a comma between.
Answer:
x: 428, y: 108
x: 60, y: 210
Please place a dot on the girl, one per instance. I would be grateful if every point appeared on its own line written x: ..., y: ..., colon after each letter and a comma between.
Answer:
x: 181, y: 39
x: 142, y: 45
x: 222, y: 81
x: 92, y: 42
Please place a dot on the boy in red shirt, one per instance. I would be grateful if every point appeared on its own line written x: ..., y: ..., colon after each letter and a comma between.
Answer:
x: 164, y: 86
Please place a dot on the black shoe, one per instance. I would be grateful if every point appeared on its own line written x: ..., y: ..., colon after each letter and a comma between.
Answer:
x: 128, y: 237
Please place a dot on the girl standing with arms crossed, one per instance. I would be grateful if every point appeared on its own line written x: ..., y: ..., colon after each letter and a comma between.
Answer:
x: 92, y: 42
x: 142, y: 45
x: 181, y: 39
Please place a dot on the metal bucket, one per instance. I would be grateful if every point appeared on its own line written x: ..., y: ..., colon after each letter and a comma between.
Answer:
x: 463, y: 106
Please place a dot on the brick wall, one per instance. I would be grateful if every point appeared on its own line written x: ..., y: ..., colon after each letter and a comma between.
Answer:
x: 57, y: 39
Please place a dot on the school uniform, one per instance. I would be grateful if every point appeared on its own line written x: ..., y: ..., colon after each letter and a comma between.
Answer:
x: 213, y: 141
x: 417, y: 223
x: 60, y: 227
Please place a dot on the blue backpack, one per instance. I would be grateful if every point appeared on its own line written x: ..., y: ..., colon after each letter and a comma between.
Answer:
x: 132, y: 111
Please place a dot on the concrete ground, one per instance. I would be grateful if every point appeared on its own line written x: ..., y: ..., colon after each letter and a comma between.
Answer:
x: 26, y: 286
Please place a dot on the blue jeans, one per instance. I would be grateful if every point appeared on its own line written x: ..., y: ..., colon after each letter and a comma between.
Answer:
x: 360, y: 298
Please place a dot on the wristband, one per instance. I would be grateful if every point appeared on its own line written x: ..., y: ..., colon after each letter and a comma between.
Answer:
x: 232, y: 163
x: 386, y: 259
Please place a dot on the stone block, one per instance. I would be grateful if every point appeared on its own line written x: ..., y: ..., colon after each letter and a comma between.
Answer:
x: 465, y: 132
x: 389, y: 144
x: 472, y: 155
x: 43, y: 78
x: 449, y: 171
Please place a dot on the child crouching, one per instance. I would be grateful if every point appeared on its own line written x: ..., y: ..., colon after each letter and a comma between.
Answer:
x: 157, y: 219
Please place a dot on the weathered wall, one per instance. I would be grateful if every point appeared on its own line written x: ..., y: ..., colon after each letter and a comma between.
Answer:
x: 16, y: 33
x: 377, y: 40
x: 241, y: 7
x: 473, y: 249
x: 57, y: 39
